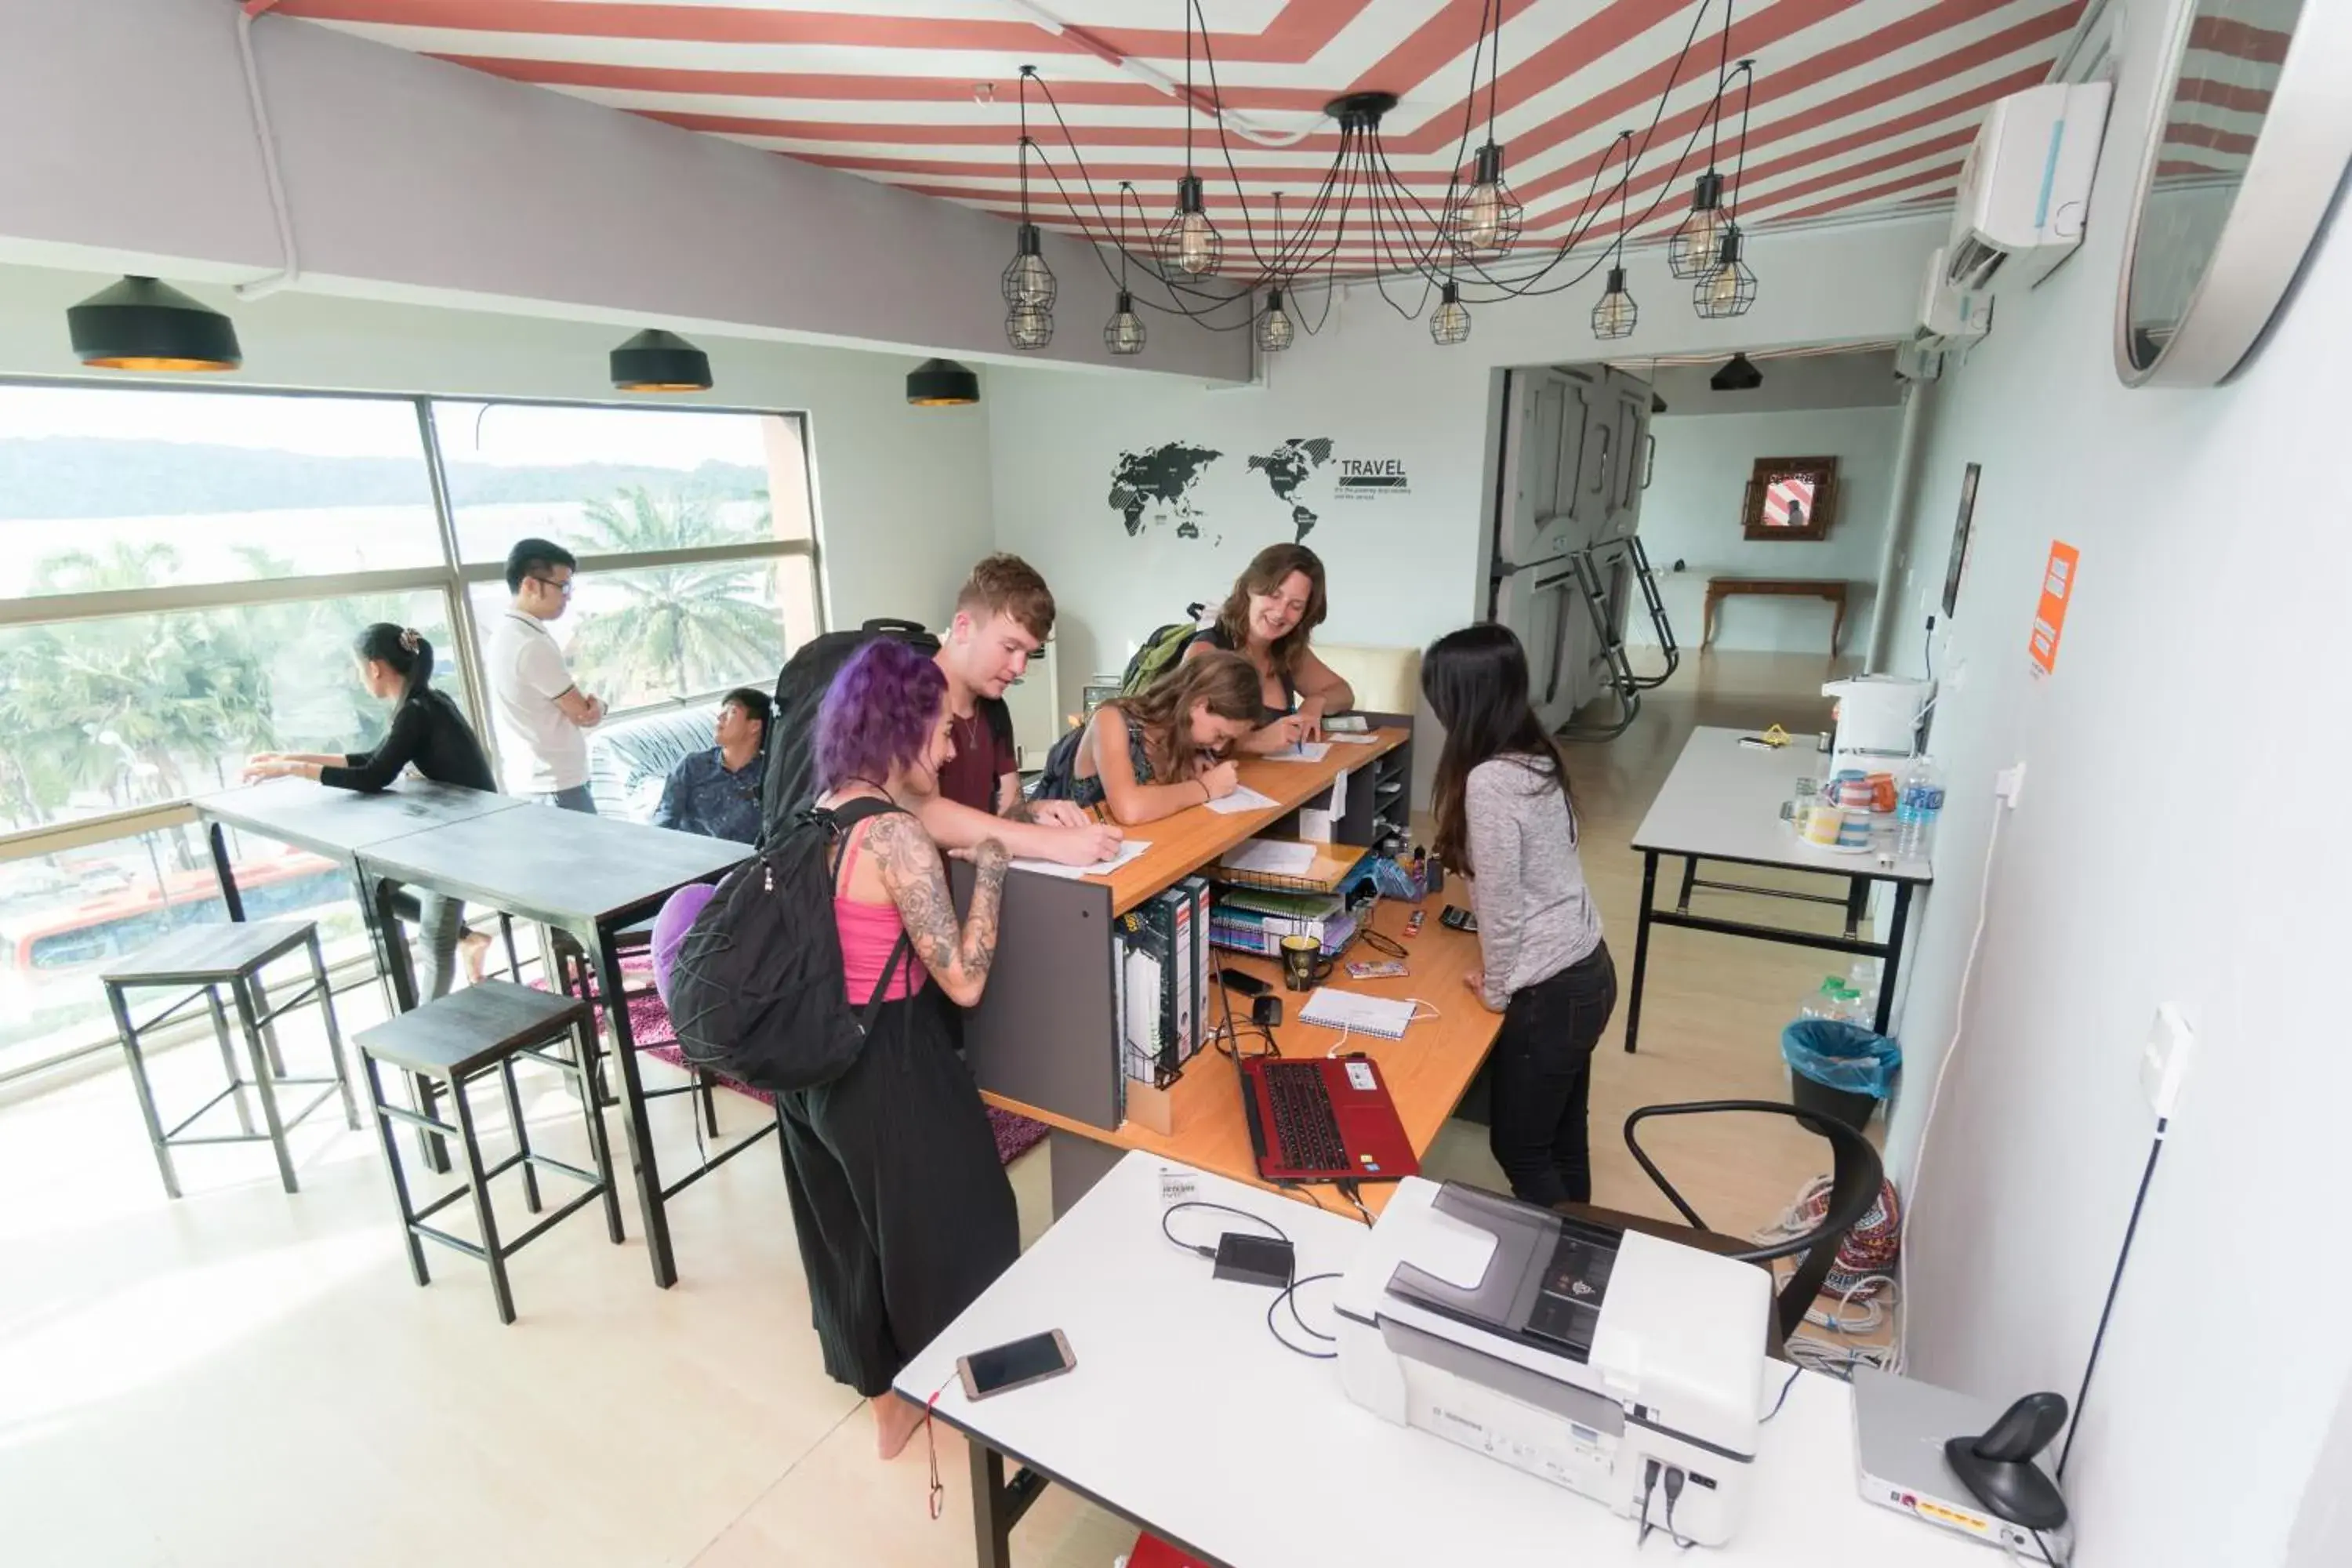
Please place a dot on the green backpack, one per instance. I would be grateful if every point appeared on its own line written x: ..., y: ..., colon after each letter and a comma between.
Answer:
x: 1162, y: 652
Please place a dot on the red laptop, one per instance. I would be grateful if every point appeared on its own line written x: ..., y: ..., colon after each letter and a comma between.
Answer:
x: 1322, y: 1119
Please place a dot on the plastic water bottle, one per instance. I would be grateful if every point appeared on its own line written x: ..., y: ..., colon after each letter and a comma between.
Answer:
x: 1917, y: 811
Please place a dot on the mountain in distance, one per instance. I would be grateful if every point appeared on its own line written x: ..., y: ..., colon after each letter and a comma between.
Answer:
x: 92, y: 475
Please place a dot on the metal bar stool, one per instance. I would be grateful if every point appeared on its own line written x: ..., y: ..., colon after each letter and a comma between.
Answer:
x: 210, y: 959
x: 469, y: 1034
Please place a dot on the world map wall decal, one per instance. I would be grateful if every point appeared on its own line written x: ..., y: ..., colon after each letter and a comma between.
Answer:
x: 1163, y: 482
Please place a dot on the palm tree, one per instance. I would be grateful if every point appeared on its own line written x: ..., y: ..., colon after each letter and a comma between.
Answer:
x: 686, y: 627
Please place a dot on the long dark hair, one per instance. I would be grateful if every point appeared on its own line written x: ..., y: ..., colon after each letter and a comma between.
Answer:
x: 408, y: 654
x: 1264, y: 574
x: 1477, y: 683
x: 1227, y: 682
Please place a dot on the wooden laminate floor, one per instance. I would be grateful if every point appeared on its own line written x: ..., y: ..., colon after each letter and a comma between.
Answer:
x: 242, y: 1377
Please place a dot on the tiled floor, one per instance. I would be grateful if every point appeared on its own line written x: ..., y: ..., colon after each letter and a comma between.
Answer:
x: 245, y: 1378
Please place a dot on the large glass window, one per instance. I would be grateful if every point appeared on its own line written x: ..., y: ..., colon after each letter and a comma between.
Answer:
x: 182, y: 573
x: 109, y: 488
x: 618, y: 481
x: 107, y: 714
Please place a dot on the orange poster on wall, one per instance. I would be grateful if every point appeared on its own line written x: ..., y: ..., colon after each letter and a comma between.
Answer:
x: 2050, y: 615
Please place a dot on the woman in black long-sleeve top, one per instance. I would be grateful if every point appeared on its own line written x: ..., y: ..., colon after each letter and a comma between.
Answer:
x: 428, y: 732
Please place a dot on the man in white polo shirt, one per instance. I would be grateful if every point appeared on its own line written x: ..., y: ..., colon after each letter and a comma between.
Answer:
x: 539, y: 712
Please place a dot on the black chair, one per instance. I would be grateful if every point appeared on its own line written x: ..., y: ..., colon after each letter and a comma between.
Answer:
x: 206, y: 960
x: 1855, y: 1178
x: 467, y: 1036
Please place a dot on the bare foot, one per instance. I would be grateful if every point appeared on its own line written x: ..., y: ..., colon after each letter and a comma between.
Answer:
x: 476, y: 947
x: 895, y: 1420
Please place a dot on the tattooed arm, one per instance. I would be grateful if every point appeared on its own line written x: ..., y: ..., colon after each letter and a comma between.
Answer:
x: 917, y: 881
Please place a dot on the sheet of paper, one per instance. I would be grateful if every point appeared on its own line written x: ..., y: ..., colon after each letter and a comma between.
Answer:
x: 1127, y: 851
x: 1272, y: 856
x: 1241, y: 800
x: 1305, y: 752
x: 1350, y: 740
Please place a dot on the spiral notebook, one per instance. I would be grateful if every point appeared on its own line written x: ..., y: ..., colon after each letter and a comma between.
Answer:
x: 1356, y: 1013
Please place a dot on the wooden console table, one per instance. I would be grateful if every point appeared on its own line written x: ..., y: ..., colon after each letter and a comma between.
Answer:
x: 1721, y: 588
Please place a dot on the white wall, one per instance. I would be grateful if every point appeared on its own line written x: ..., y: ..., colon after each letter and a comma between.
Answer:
x: 1692, y: 513
x: 2194, y: 693
x: 902, y: 493
x: 411, y: 178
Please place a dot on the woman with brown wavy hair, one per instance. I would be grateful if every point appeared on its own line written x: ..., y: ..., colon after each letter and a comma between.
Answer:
x: 1276, y: 605
x: 1153, y: 755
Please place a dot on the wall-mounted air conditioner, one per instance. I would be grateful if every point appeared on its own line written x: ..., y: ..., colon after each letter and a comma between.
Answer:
x: 1949, y: 315
x: 2026, y: 187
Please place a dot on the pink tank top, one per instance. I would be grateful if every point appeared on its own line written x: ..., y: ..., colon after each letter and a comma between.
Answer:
x: 869, y: 933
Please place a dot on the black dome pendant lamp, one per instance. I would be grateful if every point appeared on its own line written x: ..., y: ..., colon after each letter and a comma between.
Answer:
x: 141, y: 324
x: 941, y: 383
x: 657, y: 360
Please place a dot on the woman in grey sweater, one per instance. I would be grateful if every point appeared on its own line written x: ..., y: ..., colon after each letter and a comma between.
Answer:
x: 1505, y: 818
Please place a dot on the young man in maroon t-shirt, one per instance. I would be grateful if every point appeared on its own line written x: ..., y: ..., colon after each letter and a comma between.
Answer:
x: 1004, y: 615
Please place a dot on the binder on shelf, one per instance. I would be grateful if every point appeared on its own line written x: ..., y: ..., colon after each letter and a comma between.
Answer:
x: 1171, y: 912
x: 1196, y: 888
x: 1146, y: 1053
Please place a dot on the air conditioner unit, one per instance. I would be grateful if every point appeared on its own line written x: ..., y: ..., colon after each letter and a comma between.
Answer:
x: 1949, y: 315
x: 2026, y: 186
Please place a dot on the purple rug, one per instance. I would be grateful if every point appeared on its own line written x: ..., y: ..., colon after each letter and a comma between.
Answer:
x: 649, y: 1022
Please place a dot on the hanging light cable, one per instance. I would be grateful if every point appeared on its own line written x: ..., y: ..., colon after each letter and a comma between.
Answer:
x: 1730, y: 288
x: 1692, y: 252
x: 1614, y: 315
x: 1028, y: 283
x: 1123, y: 333
x: 1189, y: 242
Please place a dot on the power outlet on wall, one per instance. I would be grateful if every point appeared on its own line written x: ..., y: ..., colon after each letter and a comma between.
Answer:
x: 2164, y: 1059
x: 2008, y: 784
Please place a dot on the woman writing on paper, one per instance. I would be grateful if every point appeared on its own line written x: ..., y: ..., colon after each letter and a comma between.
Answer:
x: 1156, y: 753
x: 1276, y: 605
x: 1505, y: 817
x: 428, y: 732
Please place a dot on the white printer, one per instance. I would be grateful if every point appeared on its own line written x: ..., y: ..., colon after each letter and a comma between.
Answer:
x: 1575, y: 1353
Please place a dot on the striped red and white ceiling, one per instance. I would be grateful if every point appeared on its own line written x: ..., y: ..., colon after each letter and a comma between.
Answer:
x: 1861, y: 107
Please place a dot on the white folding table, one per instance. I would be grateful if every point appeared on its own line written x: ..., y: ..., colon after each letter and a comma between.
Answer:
x: 1722, y: 801
x: 1184, y: 1415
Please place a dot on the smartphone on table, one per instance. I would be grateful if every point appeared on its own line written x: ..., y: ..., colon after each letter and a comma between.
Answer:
x: 1457, y: 918
x: 1014, y: 1365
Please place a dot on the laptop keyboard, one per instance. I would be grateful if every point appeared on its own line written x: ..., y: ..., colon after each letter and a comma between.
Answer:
x: 1305, y: 1129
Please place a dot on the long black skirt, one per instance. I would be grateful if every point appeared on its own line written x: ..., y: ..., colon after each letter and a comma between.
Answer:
x: 902, y: 1207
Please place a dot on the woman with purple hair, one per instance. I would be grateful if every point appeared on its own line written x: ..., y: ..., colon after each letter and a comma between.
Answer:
x: 901, y: 1208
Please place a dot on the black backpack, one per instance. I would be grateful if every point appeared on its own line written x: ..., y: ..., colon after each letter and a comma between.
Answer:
x: 757, y: 991
x: 789, y: 782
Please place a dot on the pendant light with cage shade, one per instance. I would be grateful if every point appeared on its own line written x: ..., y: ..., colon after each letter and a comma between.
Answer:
x: 1275, y: 329
x: 1699, y: 239
x: 1486, y: 219
x: 1449, y: 322
x: 1028, y: 283
x: 1189, y: 242
x: 1729, y: 290
x: 1614, y: 316
x: 1123, y: 334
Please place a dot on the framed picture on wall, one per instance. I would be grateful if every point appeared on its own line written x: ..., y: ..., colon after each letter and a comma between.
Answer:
x: 1959, y: 561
